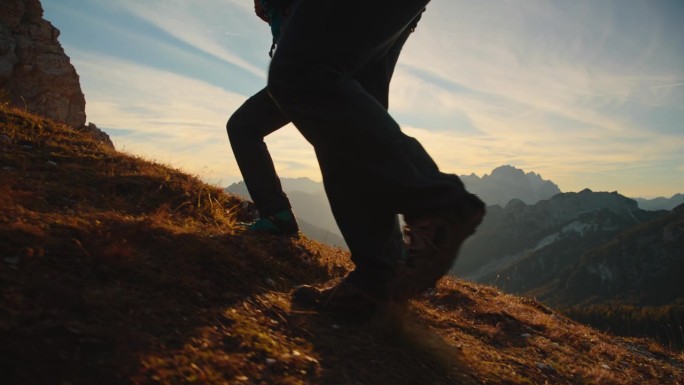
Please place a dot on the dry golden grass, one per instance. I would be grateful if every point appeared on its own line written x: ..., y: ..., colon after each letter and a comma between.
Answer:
x: 119, y: 270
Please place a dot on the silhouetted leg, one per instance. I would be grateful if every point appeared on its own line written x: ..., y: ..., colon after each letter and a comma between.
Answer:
x: 365, y: 159
x: 381, y: 231
x: 247, y: 127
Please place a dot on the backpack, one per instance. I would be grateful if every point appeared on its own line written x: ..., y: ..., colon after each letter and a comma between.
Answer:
x: 274, y: 13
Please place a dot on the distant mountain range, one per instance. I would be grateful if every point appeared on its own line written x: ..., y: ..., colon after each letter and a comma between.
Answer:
x: 506, y: 183
x: 642, y: 265
x: 597, y: 257
x: 579, y: 248
x: 310, y: 203
x: 504, y: 186
x: 660, y: 203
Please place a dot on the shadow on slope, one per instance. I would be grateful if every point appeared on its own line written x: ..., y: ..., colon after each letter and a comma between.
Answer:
x: 107, y: 258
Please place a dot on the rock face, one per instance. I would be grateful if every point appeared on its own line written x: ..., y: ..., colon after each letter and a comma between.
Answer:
x: 35, y: 73
x: 97, y: 134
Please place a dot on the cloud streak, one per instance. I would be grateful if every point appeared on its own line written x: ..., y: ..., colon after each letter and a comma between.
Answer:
x: 175, y: 119
x: 589, y: 94
x: 207, y: 27
x: 542, y: 92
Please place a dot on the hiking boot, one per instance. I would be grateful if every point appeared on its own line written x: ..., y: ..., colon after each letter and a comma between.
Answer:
x: 431, y: 246
x: 281, y: 223
x: 341, y: 299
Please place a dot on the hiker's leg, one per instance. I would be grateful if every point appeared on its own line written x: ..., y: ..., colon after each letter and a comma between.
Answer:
x: 326, y: 43
x: 360, y: 148
x: 247, y: 127
x: 371, y: 232
x: 374, y: 234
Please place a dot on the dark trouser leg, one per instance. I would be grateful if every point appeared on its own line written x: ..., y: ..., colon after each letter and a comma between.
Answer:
x: 365, y: 159
x: 377, y: 238
x: 312, y: 79
x: 247, y: 127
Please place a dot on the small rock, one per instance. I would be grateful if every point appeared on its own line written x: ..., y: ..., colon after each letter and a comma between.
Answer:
x: 51, y: 163
x: 271, y: 361
x: 526, y: 335
x: 75, y: 330
x: 335, y: 326
x: 604, y: 366
x: 311, y: 359
x: 544, y: 366
x: 270, y: 282
x: 242, y: 378
x: 12, y: 260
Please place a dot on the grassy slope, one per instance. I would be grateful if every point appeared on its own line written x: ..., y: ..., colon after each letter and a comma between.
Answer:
x: 118, y: 270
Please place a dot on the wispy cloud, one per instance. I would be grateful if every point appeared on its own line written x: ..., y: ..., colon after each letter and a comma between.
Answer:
x: 590, y: 94
x: 561, y: 89
x: 176, y: 120
x: 207, y: 27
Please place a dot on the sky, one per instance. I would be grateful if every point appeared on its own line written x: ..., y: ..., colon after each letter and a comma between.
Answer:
x: 589, y: 94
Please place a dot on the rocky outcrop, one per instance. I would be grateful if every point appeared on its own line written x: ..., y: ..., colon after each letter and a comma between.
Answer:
x: 35, y: 73
x: 98, y: 134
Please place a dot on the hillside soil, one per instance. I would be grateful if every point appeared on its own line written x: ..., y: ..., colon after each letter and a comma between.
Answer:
x: 117, y: 270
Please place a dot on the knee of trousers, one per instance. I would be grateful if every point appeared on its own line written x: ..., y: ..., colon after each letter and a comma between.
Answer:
x: 237, y: 127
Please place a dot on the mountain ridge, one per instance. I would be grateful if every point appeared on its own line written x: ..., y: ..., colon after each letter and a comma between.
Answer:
x: 503, y: 186
x: 586, y: 249
x: 661, y: 203
x: 310, y: 203
x: 519, y: 227
x: 506, y: 182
